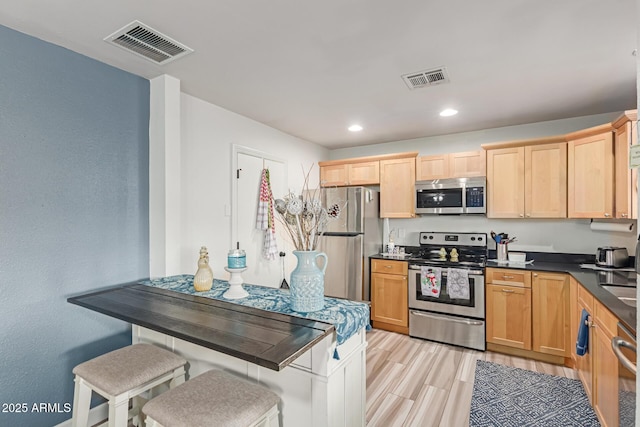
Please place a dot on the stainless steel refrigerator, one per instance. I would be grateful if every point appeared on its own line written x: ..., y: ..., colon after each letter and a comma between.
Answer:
x: 349, y: 241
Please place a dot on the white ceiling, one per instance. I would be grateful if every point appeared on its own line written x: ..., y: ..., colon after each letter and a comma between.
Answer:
x: 313, y: 68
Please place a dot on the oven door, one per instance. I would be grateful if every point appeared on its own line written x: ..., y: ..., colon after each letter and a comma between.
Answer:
x: 472, y: 307
x: 624, y: 346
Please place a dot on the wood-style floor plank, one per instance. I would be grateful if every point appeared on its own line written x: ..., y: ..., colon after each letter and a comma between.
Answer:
x: 419, y: 383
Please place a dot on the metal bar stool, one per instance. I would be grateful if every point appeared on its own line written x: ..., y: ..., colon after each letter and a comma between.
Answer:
x: 214, y: 398
x: 121, y: 375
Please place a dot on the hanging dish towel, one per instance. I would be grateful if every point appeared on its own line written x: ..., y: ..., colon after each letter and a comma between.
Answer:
x: 265, y: 220
x: 582, y: 345
x: 430, y: 281
x: 458, y: 283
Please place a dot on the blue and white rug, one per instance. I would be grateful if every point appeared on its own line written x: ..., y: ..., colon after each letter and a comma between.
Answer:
x: 512, y: 397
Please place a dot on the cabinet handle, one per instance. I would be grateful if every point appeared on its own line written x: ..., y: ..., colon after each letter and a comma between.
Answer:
x: 624, y: 215
x: 504, y: 276
x: 528, y: 215
x: 521, y: 215
x: 606, y: 215
x: 387, y: 266
x: 509, y: 291
x: 535, y: 274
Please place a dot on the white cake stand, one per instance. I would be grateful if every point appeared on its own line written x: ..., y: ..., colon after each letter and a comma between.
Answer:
x: 236, y: 291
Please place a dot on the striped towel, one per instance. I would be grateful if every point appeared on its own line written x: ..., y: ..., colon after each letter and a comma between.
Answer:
x: 265, y: 220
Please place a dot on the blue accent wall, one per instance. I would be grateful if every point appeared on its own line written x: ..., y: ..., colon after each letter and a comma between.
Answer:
x: 74, y: 214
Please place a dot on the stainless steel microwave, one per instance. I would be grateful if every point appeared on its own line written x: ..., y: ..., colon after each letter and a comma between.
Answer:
x: 452, y: 196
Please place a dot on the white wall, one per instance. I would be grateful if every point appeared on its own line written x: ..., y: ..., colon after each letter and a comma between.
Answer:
x: 208, y: 134
x: 570, y: 236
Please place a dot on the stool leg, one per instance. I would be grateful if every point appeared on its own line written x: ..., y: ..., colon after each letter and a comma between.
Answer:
x: 178, y: 377
x: 81, y: 403
x: 119, y: 411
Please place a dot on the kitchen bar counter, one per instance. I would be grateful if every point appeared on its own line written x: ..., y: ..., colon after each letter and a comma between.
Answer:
x: 293, y: 356
x: 592, y: 280
x: 267, y: 339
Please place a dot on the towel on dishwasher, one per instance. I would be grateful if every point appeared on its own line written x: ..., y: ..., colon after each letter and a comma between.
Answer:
x: 582, y: 344
x: 458, y: 283
x: 430, y: 281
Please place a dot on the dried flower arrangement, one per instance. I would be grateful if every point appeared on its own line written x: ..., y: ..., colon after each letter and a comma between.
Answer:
x: 304, y: 217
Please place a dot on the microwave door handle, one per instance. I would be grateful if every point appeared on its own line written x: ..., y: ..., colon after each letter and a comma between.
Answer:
x: 616, y: 343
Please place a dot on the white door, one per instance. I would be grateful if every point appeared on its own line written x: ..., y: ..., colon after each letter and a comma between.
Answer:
x: 260, y: 271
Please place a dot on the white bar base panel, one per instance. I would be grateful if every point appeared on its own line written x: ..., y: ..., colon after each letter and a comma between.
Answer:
x: 97, y: 414
x: 316, y: 389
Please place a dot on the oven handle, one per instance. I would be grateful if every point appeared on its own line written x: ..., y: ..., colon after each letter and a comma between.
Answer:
x: 616, y: 343
x: 447, y: 318
x: 444, y: 273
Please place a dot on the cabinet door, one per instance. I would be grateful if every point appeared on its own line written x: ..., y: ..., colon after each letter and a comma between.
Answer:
x: 334, y: 175
x: 509, y: 316
x: 590, y: 177
x: 605, y: 373
x: 626, y: 181
x: 550, y: 313
x: 505, y: 183
x: 367, y: 173
x: 389, y: 299
x: 398, y: 188
x: 468, y: 164
x: 584, y: 364
x: 545, y: 181
x: 432, y: 167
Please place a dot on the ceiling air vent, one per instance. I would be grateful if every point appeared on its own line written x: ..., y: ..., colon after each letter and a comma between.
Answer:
x: 426, y: 78
x: 146, y: 42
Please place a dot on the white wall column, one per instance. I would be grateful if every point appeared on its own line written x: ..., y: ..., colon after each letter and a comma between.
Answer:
x: 164, y: 177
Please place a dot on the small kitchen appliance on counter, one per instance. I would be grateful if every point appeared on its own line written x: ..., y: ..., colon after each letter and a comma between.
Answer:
x: 612, y: 257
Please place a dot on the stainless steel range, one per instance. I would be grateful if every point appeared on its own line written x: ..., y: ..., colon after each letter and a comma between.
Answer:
x: 446, y: 289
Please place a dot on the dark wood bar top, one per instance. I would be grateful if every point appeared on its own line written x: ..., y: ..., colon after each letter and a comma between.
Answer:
x: 271, y: 340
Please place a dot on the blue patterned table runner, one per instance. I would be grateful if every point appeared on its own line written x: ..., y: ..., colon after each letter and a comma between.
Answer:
x: 348, y: 317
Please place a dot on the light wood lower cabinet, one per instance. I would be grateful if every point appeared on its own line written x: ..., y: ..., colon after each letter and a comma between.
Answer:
x: 584, y: 364
x: 509, y: 316
x: 390, y: 295
x: 551, y: 313
x: 529, y: 311
x: 605, y: 377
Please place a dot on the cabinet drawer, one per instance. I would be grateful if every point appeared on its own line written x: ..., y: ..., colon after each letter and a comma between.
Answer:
x: 585, y: 299
x: 605, y: 319
x: 389, y: 267
x: 505, y: 276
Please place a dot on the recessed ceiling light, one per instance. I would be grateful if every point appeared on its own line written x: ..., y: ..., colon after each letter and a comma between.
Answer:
x: 448, y: 112
x: 355, y: 128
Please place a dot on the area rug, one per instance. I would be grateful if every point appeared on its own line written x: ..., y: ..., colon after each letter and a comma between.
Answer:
x: 512, y: 397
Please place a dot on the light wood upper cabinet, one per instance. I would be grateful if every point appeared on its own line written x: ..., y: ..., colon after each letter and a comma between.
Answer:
x: 334, y: 175
x: 505, y: 183
x: 343, y: 174
x: 432, y: 167
x: 468, y: 164
x: 365, y: 173
x: 527, y: 182
x: 551, y: 313
x: 397, y: 188
x: 590, y: 190
x: 626, y: 181
x: 545, y: 181
x: 454, y: 165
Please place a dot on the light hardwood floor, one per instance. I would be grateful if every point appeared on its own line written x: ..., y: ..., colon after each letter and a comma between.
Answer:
x: 413, y: 382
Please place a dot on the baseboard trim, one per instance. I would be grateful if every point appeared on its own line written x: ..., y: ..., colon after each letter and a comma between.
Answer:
x: 548, y: 358
x: 97, y: 414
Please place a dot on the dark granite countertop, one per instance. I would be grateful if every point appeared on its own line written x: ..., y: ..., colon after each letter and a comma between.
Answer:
x: 592, y: 280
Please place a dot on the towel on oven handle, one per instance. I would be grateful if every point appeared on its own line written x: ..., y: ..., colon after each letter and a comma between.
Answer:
x: 430, y: 281
x: 458, y: 283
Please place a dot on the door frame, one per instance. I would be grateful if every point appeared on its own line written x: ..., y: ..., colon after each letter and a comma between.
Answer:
x: 241, y: 149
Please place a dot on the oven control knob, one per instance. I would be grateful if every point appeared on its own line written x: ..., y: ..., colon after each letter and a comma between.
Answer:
x: 430, y: 237
x: 473, y: 238
x: 479, y: 239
